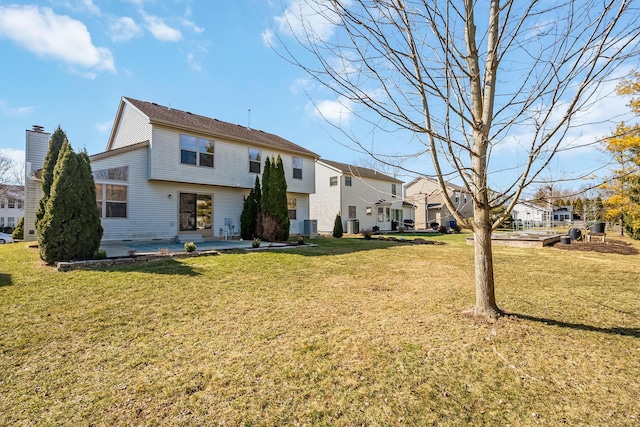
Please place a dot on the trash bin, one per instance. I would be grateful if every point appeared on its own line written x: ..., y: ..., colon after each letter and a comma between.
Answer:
x: 575, y: 233
x: 353, y: 226
x: 394, y: 225
x: 452, y: 224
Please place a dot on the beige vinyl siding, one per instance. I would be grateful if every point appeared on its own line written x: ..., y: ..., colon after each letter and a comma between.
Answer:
x: 324, y: 204
x: 32, y: 196
x: 36, y: 147
x: 366, y: 192
x: 231, y: 163
x: 134, y: 127
x: 296, y: 226
x: 150, y: 213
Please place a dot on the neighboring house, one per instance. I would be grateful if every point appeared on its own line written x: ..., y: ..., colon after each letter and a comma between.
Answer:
x: 426, y: 195
x: 357, y: 193
x: 11, y: 206
x: 563, y: 214
x: 171, y: 174
x: 530, y: 214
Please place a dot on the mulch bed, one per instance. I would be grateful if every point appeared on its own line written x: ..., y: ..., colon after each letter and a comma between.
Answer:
x: 610, y: 246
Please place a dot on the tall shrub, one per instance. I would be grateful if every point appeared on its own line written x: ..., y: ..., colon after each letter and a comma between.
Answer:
x: 250, y: 212
x: 274, y: 218
x: 338, y: 231
x: 58, y: 138
x: 70, y: 228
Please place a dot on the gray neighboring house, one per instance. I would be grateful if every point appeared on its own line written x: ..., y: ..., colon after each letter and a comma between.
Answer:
x: 426, y: 195
x: 361, y: 196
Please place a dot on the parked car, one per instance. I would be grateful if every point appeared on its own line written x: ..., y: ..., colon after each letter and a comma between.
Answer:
x: 5, y: 238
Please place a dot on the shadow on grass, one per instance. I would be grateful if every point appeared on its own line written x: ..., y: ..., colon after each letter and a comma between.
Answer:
x: 629, y: 332
x: 169, y: 266
x: 327, y: 247
x: 5, y: 279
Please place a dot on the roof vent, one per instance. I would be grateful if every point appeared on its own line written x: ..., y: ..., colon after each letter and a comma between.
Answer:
x: 37, y: 128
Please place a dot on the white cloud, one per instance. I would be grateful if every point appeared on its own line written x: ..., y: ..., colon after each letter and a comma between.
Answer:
x: 104, y: 126
x: 160, y: 30
x: 337, y: 112
x: 268, y: 38
x: 305, y: 17
x: 92, y: 8
x: 47, y: 34
x: 302, y: 85
x: 192, y: 26
x: 124, y: 29
x: 16, y: 156
x: 193, y: 62
x: 15, y: 111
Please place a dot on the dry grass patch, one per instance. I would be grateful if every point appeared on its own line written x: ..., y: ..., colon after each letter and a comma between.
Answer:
x: 352, y: 332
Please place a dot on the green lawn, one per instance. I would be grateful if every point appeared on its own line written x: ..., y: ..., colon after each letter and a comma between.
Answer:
x: 352, y: 332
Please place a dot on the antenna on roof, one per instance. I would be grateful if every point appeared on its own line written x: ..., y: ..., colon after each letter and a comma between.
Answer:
x: 249, y: 124
x: 169, y: 108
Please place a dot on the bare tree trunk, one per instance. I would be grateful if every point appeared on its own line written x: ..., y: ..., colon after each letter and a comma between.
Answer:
x: 485, y: 294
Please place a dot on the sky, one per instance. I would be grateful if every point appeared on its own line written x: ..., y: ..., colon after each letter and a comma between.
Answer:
x: 68, y: 63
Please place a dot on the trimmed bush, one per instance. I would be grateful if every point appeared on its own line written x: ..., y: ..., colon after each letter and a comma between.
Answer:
x: 190, y: 247
x: 18, y: 233
x: 338, y: 231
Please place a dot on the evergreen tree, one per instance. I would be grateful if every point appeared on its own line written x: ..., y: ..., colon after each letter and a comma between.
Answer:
x: 338, y: 231
x: 250, y: 212
x: 578, y: 207
x: 70, y: 228
x: 58, y: 137
x: 88, y: 215
x: 599, y: 208
x: 18, y: 233
x: 280, y: 202
x: 274, y: 218
x: 631, y: 213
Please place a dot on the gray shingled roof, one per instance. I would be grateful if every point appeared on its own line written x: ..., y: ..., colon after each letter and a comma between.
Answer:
x: 359, y: 171
x: 159, y: 114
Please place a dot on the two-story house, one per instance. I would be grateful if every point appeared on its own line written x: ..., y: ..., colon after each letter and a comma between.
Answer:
x: 360, y: 195
x: 529, y: 214
x: 11, y: 206
x: 426, y: 195
x: 171, y: 174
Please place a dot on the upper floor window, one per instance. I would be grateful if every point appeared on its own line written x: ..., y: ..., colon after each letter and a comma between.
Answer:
x: 352, y: 212
x: 333, y: 181
x: 394, y: 190
x: 196, y: 151
x: 11, y: 204
x: 254, y: 160
x: 296, y: 162
x: 347, y: 181
x: 457, y: 196
x: 1, y: 203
